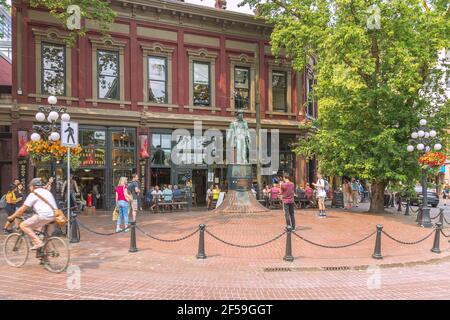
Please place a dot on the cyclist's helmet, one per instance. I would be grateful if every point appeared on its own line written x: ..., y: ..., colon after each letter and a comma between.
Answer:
x: 36, y: 182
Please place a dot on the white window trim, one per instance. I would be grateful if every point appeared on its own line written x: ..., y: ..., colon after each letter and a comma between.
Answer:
x: 55, y: 36
x: 158, y: 50
x: 247, y: 62
x: 108, y: 44
x: 202, y: 55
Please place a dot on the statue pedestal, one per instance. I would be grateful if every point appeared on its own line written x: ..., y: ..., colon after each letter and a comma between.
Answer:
x: 240, y: 198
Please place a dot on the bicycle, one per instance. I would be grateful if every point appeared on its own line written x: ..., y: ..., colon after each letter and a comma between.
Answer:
x: 54, y: 255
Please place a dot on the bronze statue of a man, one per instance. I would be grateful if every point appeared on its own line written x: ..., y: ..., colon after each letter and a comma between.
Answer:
x: 238, y: 137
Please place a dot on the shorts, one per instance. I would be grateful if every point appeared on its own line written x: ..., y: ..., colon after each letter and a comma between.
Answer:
x: 321, y: 200
x: 36, y: 222
x: 134, y: 205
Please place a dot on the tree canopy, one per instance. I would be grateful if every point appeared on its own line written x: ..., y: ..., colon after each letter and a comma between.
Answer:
x: 377, y: 75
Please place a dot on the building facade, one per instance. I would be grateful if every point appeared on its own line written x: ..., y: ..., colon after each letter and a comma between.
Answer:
x: 162, y: 66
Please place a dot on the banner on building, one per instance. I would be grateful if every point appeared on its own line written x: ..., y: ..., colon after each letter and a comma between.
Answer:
x: 23, y: 139
x: 143, y: 147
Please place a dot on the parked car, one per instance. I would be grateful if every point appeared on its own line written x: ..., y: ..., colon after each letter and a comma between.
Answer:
x: 432, y: 197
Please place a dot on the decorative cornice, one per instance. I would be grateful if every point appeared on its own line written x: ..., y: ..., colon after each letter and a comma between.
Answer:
x: 107, y: 41
x: 202, y: 53
x: 50, y: 34
x: 157, y: 48
x: 242, y: 58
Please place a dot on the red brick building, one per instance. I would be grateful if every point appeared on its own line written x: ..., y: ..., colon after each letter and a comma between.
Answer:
x: 163, y: 65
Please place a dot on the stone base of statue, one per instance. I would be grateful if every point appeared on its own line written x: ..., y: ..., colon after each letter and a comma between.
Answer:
x: 240, y: 198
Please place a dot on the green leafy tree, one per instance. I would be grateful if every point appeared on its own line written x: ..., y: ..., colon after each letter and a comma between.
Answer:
x: 377, y: 75
x: 97, y: 10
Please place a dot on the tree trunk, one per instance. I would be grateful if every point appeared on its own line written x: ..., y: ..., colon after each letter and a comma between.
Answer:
x: 377, y: 199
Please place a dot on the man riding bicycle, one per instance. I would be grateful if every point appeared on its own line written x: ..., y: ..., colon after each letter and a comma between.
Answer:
x: 43, y: 204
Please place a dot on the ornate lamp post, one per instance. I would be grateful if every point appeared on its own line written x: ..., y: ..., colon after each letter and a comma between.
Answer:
x: 423, y: 139
x: 49, y: 131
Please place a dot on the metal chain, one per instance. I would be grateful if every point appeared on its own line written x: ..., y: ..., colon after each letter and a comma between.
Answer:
x: 414, y: 211
x: 167, y: 240
x: 101, y: 233
x: 334, y: 247
x: 445, y: 235
x: 405, y: 242
x: 245, y: 246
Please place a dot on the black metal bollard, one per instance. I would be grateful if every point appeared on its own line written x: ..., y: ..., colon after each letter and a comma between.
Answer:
x: 399, y: 208
x: 441, y: 216
x: 133, y: 247
x: 74, y: 230
x: 288, y: 256
x: 407, y: 208
x: 201, y: 243
x: 437, y: 236
x: 377, y: 251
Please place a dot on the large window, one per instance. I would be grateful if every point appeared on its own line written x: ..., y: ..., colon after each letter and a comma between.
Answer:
x: 311, y: 110
x: 161, y: 149
x: 108, y: 75
x: 53, y: 69
x: 157, y: 79
x: 279, y: 91
x: 93, y: 143
x: 202, y: 85
x: 241, y: 88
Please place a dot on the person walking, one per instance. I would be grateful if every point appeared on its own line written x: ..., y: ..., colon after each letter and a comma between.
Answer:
x: 133, y: 188
x: 287, y: 198
x: 321, y: 195
x: 209, y: 197
x: 122, y: 202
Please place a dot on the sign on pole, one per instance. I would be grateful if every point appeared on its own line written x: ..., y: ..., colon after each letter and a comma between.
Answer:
x: 69, y: 134
x: 69, y: 138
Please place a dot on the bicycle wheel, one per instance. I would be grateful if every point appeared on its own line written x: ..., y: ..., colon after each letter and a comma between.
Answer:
x: 56, y: 255
x: 16, y: 250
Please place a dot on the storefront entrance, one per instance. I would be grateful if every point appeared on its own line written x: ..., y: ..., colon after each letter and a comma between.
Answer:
x: 199, y: 185
x: 92, y: 181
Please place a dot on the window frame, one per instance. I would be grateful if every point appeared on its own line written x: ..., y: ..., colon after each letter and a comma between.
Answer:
x: 117, y: 75
x: 285, y: 93
x: 166, y: 78
x: 209, y: 83
x: 63, y: 47
x: 249, y: 87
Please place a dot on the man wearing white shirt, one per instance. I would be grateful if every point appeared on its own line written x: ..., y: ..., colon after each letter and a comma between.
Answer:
x: 44, y: 213
x: 321, y: 195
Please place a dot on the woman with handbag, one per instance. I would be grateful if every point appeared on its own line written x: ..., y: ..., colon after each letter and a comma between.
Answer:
x: 123, y: 198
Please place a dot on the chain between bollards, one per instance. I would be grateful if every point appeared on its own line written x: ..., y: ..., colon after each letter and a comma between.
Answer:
x: 288, y: 256
x: 133, y: 247
x: 201, y: 242
x: 441, y: 216
x: 436, y: 241
x: 377, y: 251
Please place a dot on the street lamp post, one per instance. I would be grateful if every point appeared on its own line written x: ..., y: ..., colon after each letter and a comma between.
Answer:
x: 49, y: 131
x: 423, y: 139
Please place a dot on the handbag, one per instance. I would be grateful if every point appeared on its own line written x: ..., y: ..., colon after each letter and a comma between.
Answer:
x: 60, y: 217
x: 115, y: 216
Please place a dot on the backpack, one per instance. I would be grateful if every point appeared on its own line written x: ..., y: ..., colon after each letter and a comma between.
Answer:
x: 326, y: 185
x: 3, y: 202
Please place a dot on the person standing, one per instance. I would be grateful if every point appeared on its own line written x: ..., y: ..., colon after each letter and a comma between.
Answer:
x: 321, y: 195
x: 347, y: 193
x: 96, y: 194
x: 209, y: 196
x: 73, y: 192
x: 287, y: 198
x: 445, y: 193
x: 122, y: 202
x: 355, y: 192
x: 133, y: 188
x: 20, y: 195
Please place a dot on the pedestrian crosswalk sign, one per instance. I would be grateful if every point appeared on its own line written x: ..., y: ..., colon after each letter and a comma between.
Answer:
x: 69, y: 134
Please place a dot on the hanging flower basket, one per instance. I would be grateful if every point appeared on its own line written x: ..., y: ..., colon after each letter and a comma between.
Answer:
x: 432, y: 161
x: 41, y: 152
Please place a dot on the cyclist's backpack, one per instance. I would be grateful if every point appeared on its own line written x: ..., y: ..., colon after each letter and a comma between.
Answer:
x: 327, y: 185
x: 3, y: 202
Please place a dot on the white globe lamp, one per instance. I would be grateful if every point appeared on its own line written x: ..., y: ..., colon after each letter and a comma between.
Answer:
x: 421, y: 133
x: 65, y: 117
x: 432, y: 133
x: 35, y: 137
x: 427, y: 135
x: 427, y: 148
x: 53, y: 116
x: 52, y: 100
x: 40, y: 116
x: 423, y: 122
x: 410, y: 148
x: 437, y: 146
x: 414, y: 135
x: 420, y: 147
x: 54, y: 136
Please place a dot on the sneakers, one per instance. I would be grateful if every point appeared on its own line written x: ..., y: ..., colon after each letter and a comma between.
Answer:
x: 322, y: 214
x: 7, y: 231
x: 37, y: 246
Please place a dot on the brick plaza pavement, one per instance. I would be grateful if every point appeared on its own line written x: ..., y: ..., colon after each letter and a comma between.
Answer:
x: 171, y: 271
